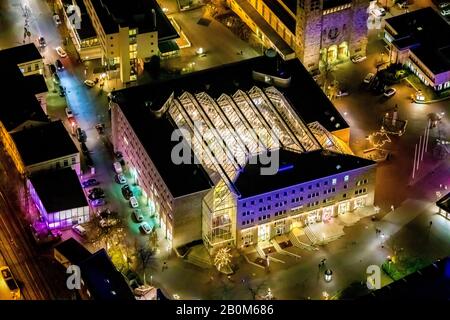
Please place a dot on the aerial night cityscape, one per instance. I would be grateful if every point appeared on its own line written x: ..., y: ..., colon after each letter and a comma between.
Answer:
x: 224, y: 150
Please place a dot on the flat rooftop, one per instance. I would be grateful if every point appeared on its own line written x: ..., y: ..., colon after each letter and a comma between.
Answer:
x: 134, y: 14
x: 103, y: 280
x: 87, y: 30
x: 59, y: 190
x: 428, y: 35
x: 19, y: 105
x: 34, y: 143
x: 73, y: 251
x: 21, y: 54
x: 296, y: 168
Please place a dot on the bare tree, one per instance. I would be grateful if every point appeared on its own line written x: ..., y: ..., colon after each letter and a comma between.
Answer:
x: 145, y: 255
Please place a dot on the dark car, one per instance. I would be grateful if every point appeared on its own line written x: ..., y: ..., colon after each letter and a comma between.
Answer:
x: 42, y: 42
x: 62, y: 91
x: 81, y: 135
x: 126, y: 192
x: 52, y: 68
x: 84, y: 148
x: 96, y: 193
x: 90, y: 183
x: 59, y: 64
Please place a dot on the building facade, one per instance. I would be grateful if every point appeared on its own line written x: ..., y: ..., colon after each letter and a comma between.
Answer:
x: 317, y: 31
x: 128, y: 34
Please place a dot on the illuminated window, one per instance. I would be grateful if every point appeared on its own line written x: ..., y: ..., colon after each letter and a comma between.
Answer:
x: 346, y: 178
x: 334, y: 181
x: 125, y: 140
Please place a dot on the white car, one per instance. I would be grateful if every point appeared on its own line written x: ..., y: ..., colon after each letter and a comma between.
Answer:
x: 138, y: 215
x: 56, y: 19
x: 120, y: 178
x: 69, y: 113
x: 89, y: 83
x: 117, y: 167
x: 79, y: 229
x: 369, y: 77
x: 390, y: 92
x: 145, y: 228
x: 358, y: 58
x: 60, y: 51
x: 342, y: 93
x: 133, y: 202
x: 378, y: 12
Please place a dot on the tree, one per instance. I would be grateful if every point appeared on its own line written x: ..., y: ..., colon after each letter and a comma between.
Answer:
x: 222, y: 260
x: 145, y: 255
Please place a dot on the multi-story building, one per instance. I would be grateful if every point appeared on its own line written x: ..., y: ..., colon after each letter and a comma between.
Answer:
x: 81, y: 31
x: 26, y: 57
x: 129, y: 33
x: 240, y: 153
x: 32, y: 152
x: 316, y: 31
x: 414, y: 41
x: 26, y: 111
x: 59, y: 197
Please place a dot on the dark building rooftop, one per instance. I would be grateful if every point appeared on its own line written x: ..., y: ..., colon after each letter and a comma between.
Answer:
x: 429, y: 283
x: 74, y: 251
x: 21, y: 54
x: 36, y: 83
x: 34, y: 147
x: 134, y: 14
x: 103, y: 280
x: 428, y: 35
x: 282, y: 14
x: 296, y: 168
x: 18, y: 105
x: 59, y: 189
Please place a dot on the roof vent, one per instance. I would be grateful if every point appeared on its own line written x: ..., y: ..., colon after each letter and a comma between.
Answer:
x: 332, y: 119
x: 338, y: 167
x: 337, y: 125
x: 207, y: 86
x: 148, y: 104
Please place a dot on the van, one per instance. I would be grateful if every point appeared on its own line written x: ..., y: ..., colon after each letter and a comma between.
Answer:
x: 117, y: 167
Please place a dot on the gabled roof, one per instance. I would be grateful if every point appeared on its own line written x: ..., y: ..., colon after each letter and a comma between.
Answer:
x: 21, y: 54
x: 34, y: 147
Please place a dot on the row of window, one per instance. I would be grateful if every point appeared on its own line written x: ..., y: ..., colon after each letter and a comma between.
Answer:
x: 301, y: 189
x: 360, y: 191
x: 362, y: 182
x: 279, y: 213
x: 245, y: 222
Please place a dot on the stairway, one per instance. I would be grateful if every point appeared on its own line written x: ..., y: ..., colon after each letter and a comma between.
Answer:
x: 311, y: 235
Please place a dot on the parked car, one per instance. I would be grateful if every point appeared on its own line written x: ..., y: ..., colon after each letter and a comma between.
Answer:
x: 378, y: 12
x: 84, y: 148
x: 358, y: 58
x: 133, y: 202
x: 10, y: 282
x: 56, y: 79
x: 137, y: 214
x: 81, y: 135
x: 103, y: 214
x: 369, y: 77
x: 100, y: 127
x: 145, y: 228
x: 342, y: 93
x: 42, y: 42
x: 96, y: 193
x: 89, y: 183
x: 52, y: 68
x: 117, y: 167
x: 62, y: 91
x: 59, y: 64
x: 89, y: 83
x: 60, y: 51
x: 389, y: 92
x: 69, y: 113
x: 120, y: 178
x: 79, y: 229
x: 98, y: 202
x: 56, y: 19
x: 126, y: 192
